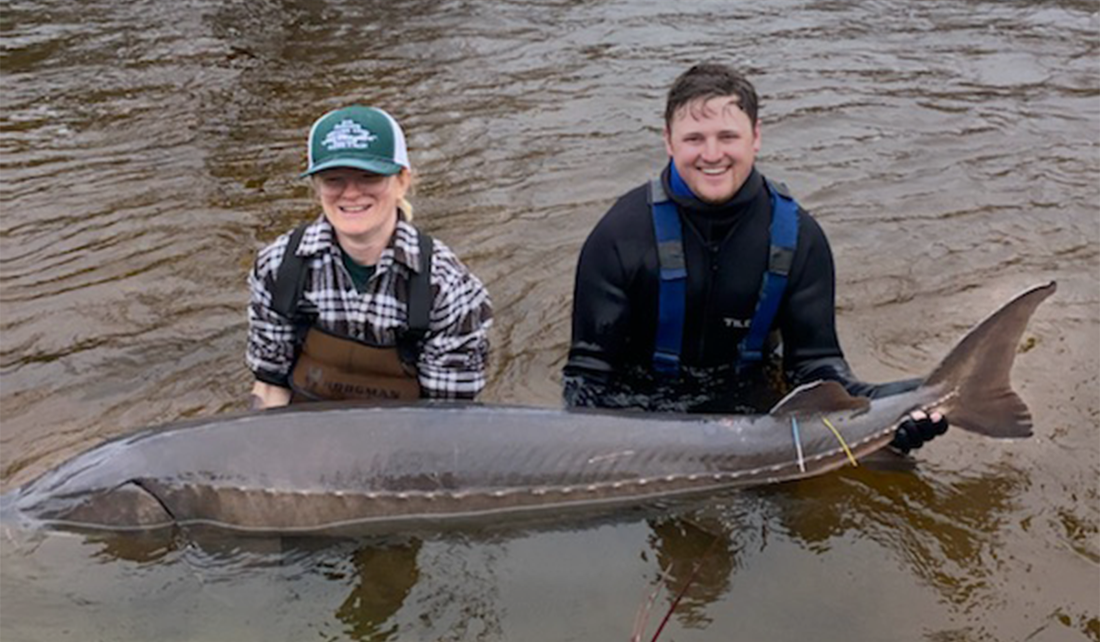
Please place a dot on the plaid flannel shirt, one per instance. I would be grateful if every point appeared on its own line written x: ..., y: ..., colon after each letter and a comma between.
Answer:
x: 454, y: 356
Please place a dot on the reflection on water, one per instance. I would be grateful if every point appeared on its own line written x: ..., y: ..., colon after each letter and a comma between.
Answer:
x: 948, y: 149
x: 383, y: 579
x: 697, y: 564
x: 955, y: 525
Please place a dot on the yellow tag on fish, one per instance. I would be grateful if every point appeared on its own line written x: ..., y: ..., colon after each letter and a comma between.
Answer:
x: 843, y: 445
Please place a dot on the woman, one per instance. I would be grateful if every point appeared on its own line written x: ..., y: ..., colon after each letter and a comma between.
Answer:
x: 363, y: 305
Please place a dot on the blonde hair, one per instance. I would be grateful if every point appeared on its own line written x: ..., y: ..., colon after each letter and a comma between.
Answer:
x: 403, y: 203
x: 406, y: 209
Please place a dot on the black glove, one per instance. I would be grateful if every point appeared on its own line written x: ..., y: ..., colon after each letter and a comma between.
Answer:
x: 917, y: 429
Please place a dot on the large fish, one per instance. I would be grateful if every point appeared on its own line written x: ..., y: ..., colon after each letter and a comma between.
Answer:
x: 340, y: 468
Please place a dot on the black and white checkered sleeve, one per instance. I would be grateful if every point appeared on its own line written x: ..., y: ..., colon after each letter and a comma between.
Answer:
x: 271, y: 337
x: 455, y: 357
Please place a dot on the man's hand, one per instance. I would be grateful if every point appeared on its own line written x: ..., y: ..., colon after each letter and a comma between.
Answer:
x: 918, y: 428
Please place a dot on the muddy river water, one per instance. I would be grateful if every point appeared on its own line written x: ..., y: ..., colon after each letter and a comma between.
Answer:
x: 949, y: 148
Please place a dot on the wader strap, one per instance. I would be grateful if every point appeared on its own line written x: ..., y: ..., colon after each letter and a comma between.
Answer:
x: 672, y: 292
x: 784, y: 240
x: 420, y: 304
x: 290, y: 283
x: 290, y: 280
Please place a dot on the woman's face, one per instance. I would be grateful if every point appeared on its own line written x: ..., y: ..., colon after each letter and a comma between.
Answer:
x: 358, y: 204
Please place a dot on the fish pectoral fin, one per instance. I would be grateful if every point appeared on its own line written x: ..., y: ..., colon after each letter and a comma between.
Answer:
x: 128, y: 505
x: 819, y: 397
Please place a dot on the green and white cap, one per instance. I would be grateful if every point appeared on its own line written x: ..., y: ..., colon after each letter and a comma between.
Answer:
x: 365, y: 138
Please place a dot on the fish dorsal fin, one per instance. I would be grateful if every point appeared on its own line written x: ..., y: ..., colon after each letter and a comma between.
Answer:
x: 817, y: 398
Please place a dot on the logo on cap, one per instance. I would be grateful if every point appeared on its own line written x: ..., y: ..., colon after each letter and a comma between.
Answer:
x: 348, y: 134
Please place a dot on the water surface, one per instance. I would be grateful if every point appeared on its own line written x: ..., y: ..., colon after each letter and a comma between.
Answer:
x: 949, y: 149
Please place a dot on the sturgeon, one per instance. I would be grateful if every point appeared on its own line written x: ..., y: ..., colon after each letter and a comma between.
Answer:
x: 340, y: 468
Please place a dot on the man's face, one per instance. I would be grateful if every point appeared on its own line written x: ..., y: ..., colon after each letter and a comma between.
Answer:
x: 713, y: 145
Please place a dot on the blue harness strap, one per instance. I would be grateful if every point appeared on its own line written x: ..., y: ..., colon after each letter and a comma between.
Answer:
x: 784, y: 239
x: 672, y: 292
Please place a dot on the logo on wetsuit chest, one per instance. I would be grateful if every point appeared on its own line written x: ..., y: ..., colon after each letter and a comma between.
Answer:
x: 736, y: 324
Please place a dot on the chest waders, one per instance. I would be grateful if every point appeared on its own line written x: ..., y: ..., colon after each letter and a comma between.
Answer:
x: 335, y: 367
x: 672, y: 292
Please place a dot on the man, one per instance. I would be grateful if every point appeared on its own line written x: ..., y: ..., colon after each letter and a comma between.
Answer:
x: 689, y: 287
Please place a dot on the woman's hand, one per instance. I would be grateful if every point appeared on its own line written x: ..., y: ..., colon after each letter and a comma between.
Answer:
x: 265, y: 395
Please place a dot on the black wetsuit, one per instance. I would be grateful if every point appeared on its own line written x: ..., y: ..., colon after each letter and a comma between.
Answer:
x: 726, y: 249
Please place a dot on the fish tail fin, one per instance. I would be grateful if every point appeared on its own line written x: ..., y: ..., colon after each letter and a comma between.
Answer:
x: 978, y: 369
